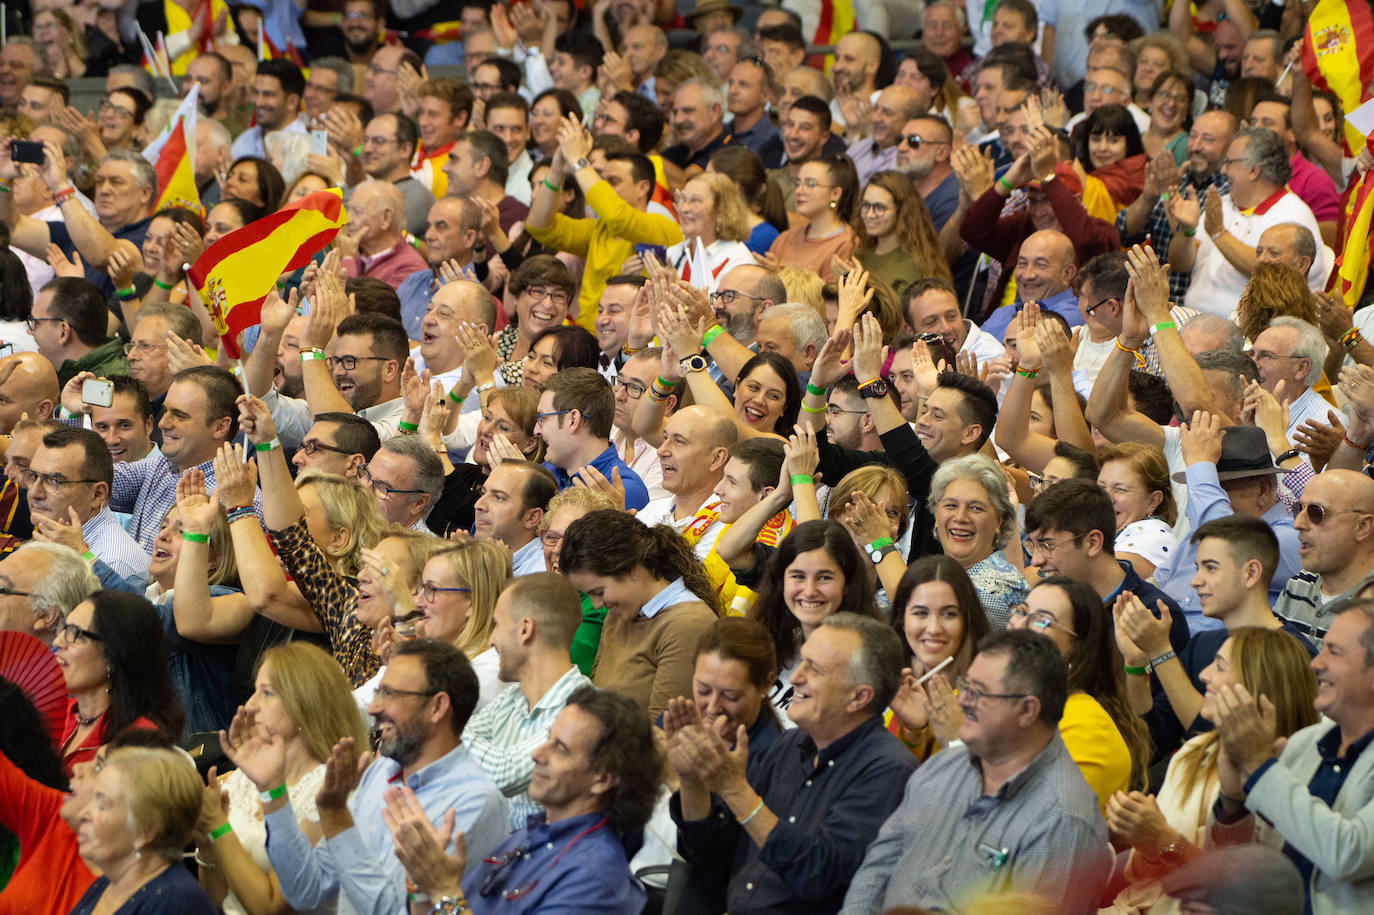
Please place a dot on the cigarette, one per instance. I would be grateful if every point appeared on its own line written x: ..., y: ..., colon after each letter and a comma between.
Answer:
x: 938, y: 667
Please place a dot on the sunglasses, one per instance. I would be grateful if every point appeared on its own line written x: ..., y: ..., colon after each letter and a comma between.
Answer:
x: 1316, y: 514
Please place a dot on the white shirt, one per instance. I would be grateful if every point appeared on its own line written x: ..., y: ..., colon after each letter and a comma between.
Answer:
x: 1217, y: 285
x: 642, y: 458
x: 1308, y: 405
x: 981, y: 343
x: 112, y: 544
x: 721, y: 257
x: 518, y: 178
x: 660, y: 511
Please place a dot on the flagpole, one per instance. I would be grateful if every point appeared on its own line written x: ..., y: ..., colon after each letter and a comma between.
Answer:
x: 167, y: 63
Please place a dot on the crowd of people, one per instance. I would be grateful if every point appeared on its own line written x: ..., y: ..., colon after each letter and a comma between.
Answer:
x: 649, y: 499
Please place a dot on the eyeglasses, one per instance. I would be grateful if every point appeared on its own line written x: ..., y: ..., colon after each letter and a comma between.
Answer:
x: 540, y: 417
x: 680, y: 199
x: 1317, y: 513
x: 359, y: 14
x: 110, y: 106
x: 871, y: 206
x: 71, y: 633
x: 1049, y: 546
x: 322, y: 90
x: 138, y: 346
x: 811, y: 184
x: 313, y: 445
x: 429, y: 590
x: 1264, y: 355
x: 486, y: 87
x: 376, y: 70
x: 32, y: 323
x: 1089, y: 311
x: 728, y: 296
x: 1038, y: 620
x: 552, y: 539
x: 914, y: 141
x: 1226, y: 162
x: 381, y: 488
x: 49, y: 480
x: 1105, y: 90
x: 973, y: 695
x: 6, y: 591
x: 349, y: 363
x: 387, y: 693
x: 556, y: 296
x: 378, y: 141
x: 834, y: 409
x: 633, y: 389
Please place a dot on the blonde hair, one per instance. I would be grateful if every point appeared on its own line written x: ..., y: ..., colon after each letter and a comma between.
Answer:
x: 872, y: 480
x: 1148, y: 463
x: 419, y: 547
x: 732, y: 213
x: 1268, y: 662
x: 483, y: 568
x: 583, y: 497
x: 224, y: 567
x: 803, y: 286
x: 316, y: 695
x: 162, y: 791
x: 348, y: 505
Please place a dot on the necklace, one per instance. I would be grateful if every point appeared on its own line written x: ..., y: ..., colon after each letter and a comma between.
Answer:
x: 87, y: 722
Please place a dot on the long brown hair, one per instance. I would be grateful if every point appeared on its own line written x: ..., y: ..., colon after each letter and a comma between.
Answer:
x: 915, y: 232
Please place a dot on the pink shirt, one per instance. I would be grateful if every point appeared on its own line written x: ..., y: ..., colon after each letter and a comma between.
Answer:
x: 1316, y: 189
x: 390, y: 266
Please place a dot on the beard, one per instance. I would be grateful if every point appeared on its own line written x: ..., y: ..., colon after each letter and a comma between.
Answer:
x: 741, y: 327
x: 403, y: 746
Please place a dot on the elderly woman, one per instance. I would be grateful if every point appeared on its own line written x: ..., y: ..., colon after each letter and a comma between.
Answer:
x: 543, y: 290
x: 975, y: 522
x: 1135, y: 477
x: 299, y: 709
x: 1267, y: 662
x: 140, y: 815
x: 113, y: 659
x: 710, y: 208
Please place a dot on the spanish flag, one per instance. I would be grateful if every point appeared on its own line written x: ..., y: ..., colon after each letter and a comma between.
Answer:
x: 1338, y: 56
x: 235, y: 274
x: 441, y: 32
x: 835, y: 21
x: 1352, y: 261
x: 171, y: 154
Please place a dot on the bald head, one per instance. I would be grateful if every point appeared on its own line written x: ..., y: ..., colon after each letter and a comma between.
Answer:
x: 1289, y: 244
x: 1045, y: 265
x: 856, y: 62
x: 716, y: 428
x: 377, y: 210
x: 28, y: 384
x: 895, y: 106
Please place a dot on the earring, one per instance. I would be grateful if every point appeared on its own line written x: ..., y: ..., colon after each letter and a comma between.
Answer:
x: 834, y: 204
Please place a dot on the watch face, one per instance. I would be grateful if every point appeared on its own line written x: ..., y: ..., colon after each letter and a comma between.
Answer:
x: 877, y: 388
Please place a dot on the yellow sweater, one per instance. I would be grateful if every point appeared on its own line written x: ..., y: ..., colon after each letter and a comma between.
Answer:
x: 606, y: 242
x: 1096, y: 745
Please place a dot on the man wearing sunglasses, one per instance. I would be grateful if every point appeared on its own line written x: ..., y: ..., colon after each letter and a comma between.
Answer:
x: 923, y: 151
x: 1335, y: 527
x: 341, y: 443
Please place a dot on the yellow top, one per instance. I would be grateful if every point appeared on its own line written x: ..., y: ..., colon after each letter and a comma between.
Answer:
x: 1096, y: 745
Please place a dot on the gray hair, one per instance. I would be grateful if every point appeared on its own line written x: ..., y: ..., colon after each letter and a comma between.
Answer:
x: 879, y: 660
x: 1227, y: 329
x: 39, y: 51
x: 219, y: 134
x: 1274, y: 38
x: 180, y: 320
x: 143, y: 80
x: 1267, y: 152
x: 339, y: 66
x: 390, y: 197
x: 67, y: 582
x: 142, y: 169
x: 1303, y: 242
x: 429, y: 470
x: 984, y: 471
x: 807, y: 326
x: 711, y: 94
x: 1311, y: 346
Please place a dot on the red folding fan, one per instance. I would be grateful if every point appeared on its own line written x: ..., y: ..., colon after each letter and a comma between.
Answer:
x: 29, y: 664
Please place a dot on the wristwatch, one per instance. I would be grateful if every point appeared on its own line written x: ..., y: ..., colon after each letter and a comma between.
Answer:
x: 581, y: 164
x: 449, y: 905
x: 873, y: 390
x: 694, y: 363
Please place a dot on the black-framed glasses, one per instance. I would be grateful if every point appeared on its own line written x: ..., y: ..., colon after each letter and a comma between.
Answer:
x: 381, y: 487
x: 633, y: 389
x: 312, y: 445
x: 1038, y: 620
x: 349, y: 363
x: 973, y: 695
x: 834, y: 409
x: 387, y: 693
x: 1089, y: 311
x: 556, y: 296
x: 32, y: 323
x: 1317, y: 513
x: 7, y: 591
x: 914, y: 140
x: 1049, y: 546
x: 874, y: 207
x: 71, y: 633
x: 49, y: 480
x: 428, y: 590
x: 728, y: 296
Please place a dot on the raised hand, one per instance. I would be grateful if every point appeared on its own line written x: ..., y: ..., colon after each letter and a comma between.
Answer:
x: 869, y: 351
x: 183, y: 354
x: 854, y: 296
x: 592, y: 478
x: 975, y: 171
x: 909, y: 703
x: 236, y: 482
x: 1184, y: 209
x: 1057, y: 347
x: 801, y: 454
x: 63, y: 531
x: 421, y: 846
x: 124, y: 261
x: 943, y: 709
x: 197, y: 511
x: 342, y: 772
x: 256, y: 753
x: 61, y: 266
x: 1148, y: 633
x: 1149, y: 283
x: 1211, y: 212
x: 1318, y: 440
x: 1201, y: 439
x: 255, y: 420
x: 923, y: 366
x: 829, y: 366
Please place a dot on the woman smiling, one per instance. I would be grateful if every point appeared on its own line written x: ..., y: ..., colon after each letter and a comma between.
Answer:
x: 709, y: 208
x: 827, y: 195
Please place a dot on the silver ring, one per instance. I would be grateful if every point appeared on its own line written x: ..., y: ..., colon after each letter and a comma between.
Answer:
x: 386, y: 571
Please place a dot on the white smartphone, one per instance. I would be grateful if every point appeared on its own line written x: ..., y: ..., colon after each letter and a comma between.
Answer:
x: 97, y: 392
x: 319, y: 142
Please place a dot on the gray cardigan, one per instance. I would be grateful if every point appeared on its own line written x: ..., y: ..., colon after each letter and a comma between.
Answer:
x: 1339, y: 840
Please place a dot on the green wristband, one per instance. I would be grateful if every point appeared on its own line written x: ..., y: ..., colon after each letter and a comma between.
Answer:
x: 813, y: 410
x: 1162, y: 325
x: 273, y: 793
x: 803, y: 479
x: 220, y: 831
x: 161, y: 285
x: 195, y: 538
x: 1006, y: 184
x: 1188, y: 233
x: 712, y: 332
x: 88, y: 556
x: 358, y: 151
x: 1137, y: 671
x: 553, y: 187
x: 812, y: 389
x: 879, y: 544
x: 126, y: 292
x: 404, y: 426
x: 268, y: 445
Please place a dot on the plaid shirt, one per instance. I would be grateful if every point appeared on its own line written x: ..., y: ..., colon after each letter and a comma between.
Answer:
x: 1160, y: 233
x: 506, y: 731
x: 147, y: 490
x: 332, y: 597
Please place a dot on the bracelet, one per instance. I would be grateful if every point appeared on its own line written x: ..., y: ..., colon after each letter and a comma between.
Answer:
x: 1027, y: 373
x: 161, y: 285
x: 1351, y: 337
x: 1356, y: 445
x: 553, y: 187
x: 812, y: 389
x: 1162, y: 325
x: 712, y: 332
x: 273, y: 793
x: 869, y: 383
x: 1139, y: 359
x: 125, y: 295
x: 221, y: 831
x: 239, y: 512
x: 4, y: 188
x: 452, y: 395
x: 64, y: 413
x: 1137, y: 671
x: 1290, y: 453
x: 1005, y: 183
x: 62, y: 196
x: 753, y: 813
x: 1155, y: 662
x: 312, y: 353
x: 668, y: 386
x: 814, y: 411
x: 802, y: 479
x: 628, y: 350
x: 484, y: 387
x: 88, y: 556
x: 406, y: 428
x: 879, y: 544
x: 1188, y: 233
x: 268, y: 445
x: 195, y: 538
x: 358, y: 151
x: 1217, y: 234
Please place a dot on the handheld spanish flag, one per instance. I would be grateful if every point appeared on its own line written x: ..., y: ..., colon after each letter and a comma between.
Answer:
x: 441, y: 32
x: 172, y: 155
x: 1352, y: 260
x: 235, y: 274
x: 1338, y: 56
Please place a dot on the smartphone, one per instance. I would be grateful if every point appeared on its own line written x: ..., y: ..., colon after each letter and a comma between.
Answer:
x: 26, y: 151
x: 658, y: 251
x: 319, y: 142
x: 939, y: 348
x: 97, y: 392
